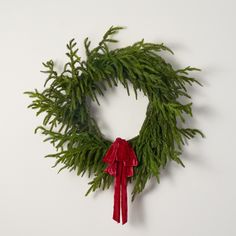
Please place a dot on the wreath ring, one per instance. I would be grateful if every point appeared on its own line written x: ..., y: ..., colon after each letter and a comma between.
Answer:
x: 69, y: 126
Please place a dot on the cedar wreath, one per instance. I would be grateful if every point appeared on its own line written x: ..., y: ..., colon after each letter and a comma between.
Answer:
x: 69, y: 126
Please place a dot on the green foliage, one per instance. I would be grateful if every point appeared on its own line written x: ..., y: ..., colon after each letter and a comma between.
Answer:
x: 69, y: 126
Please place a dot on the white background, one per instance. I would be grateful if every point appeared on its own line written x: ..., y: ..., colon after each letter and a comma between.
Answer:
x: 197, y: 200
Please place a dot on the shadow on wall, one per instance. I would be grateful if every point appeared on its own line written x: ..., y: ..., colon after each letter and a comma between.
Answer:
x: 137, y: 212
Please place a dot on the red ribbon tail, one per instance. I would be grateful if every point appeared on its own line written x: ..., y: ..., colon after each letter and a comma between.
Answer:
x: 120, y: 195
x: 124, y: 196
x: 116, y: 210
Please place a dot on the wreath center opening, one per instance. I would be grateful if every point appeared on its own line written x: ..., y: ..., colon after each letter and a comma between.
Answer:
x: 120, y: 114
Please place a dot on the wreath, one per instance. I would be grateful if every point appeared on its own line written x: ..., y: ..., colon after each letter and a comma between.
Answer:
x: 69, y: 126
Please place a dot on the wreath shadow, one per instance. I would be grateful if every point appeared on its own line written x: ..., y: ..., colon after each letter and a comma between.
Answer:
x: 137, y: 211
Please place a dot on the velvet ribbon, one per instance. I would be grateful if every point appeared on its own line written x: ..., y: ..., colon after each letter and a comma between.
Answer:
x: 121, y: 159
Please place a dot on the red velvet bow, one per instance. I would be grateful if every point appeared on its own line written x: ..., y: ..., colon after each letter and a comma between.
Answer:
x: 120, y: 158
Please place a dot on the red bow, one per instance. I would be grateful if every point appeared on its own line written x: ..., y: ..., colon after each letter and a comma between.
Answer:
x: 120, y: 158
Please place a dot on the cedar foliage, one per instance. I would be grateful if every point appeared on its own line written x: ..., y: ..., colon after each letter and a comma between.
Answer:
x: 69, y: 126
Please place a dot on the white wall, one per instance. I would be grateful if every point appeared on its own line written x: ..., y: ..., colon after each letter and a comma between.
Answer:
x: 197, y: 200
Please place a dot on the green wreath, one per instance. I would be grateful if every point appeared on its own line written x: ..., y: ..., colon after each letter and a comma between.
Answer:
x: 69, y: 126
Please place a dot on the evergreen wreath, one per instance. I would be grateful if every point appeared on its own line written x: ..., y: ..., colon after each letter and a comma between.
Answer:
x: 69, y: 126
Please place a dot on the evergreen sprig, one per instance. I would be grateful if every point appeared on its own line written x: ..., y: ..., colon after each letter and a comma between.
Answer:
x: 69, y: 126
